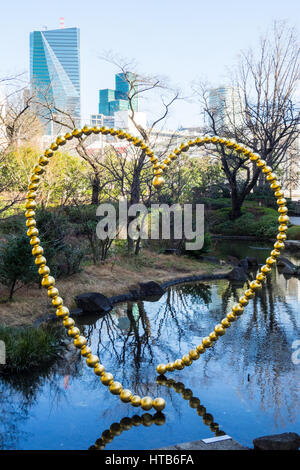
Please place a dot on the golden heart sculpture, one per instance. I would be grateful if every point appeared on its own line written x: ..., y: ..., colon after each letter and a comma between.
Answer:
x: 62, y: 312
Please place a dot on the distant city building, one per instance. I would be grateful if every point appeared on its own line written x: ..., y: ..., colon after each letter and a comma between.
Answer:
x: 224, y: 105
x: 55, y: 69
x: 112, y: 101
x: 99, y: 120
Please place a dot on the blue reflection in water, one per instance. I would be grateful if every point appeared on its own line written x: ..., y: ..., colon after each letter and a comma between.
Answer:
x: 246, y: 385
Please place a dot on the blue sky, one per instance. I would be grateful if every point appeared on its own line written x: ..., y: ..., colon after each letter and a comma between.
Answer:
x: 183, y: 40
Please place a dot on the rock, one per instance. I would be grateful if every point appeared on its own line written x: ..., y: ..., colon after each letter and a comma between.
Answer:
x: 252, y: 261
x: 232, y: 260
x: 237, y: 274
x: 244, y: 264
x: 93, y: 302
x: 150, y: 289
x: 285, y: 441
x: 286, y: 266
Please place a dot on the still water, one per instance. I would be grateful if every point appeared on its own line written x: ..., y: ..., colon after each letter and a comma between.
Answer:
x: 246, y: 386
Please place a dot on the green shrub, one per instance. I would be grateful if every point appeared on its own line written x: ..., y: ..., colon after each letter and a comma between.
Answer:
x: 16, y: 263
x: 28, y: 347
x: 293, y: 233
x: 12, y: 225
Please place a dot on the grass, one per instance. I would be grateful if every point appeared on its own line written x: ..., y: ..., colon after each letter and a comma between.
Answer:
x: 29, y: 348
x: 115, y: 276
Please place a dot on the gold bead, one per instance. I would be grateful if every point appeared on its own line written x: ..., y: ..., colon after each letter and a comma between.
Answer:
x: 135, y: 400
x: 279, y: 193
x: 92, y: 360
x: 261, y: 163
x: 44, y: 270
x: 54, y: 146
x: 267, y: 169
x: 68, y: 136
x: 231, y: 317
x: 116, y: 429
x: 178, y: 364
x: 281, y: 201
x: 37, y: 250
x: 254, y: 285
x: 213, y: 336
x: 73, y: 331
x: 35, y: 178
x: 283, y: 210
x: 115, y: 388
x: 85, y: 351
x: 99, y: 369
x: 194, y: 402
x: 220, y: 330
x: 146, y: 403
x: 60, y: 140
x: 261, y: 277
x: 107, y: 379
x: 68, y: 322
x: 159, y: 419
x: 30, y: 222
x: 125, y: 395
x: 34, y: 241
x: 186, y: 360
x: 194, y: 354
x: 276, y: 253
x: 238, y: 309
x: 282, y: 228
x: 48, y: 281
x: 38, y: 170
x: 279, y: 245
x: 52, y: 292
x: 126, y: 423
x: 270, y: 261
x: 159, y: 404
x: 249, y: 293
x: 43, y: 161
x: 207, y: 342
x: 57, y: 301
x: 243, y: 301
x: 225, y: 323
x: 158, y: 181
x: 32, y: 232
x: 62, y: 311
x: 161, y: 369
x: 200, y: 348
x: 265, y: 269
x: 187, y: 394
x: 40, y: 260
x: 76, y: 133
x: 275, y: 185
x: 81, y: 340
x: 48, y: 153
x: 170, y: 367
x: 31, y: 195
x: 86, y: 130
x: 281, y: 236
x: 158, y: 172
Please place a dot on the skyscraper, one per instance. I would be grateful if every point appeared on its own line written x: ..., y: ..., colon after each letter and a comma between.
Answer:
x: 55, y: 68
x: 112, y: 101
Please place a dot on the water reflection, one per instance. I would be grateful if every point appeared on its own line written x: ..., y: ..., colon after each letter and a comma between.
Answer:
x: 247, y: 380
x: 126, y: 424
x: 194, y: 403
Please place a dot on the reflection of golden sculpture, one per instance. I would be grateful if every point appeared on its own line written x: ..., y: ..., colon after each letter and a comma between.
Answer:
x: 49, y: 281
x: 194, y: 402
x: 124, y: 425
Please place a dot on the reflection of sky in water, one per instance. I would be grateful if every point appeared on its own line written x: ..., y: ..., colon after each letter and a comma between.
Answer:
x: 247, y: 381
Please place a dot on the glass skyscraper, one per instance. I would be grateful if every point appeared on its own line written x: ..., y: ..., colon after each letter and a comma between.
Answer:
x: 55, y: 68
x: 111, y: 101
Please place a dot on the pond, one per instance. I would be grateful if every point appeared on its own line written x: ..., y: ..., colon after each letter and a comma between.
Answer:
x: 246, y: 386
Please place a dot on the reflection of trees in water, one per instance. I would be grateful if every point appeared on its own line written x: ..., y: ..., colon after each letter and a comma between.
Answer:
x: 257, y: 345
x: 19, y: 392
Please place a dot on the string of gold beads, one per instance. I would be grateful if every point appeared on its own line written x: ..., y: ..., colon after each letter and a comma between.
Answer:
x: 283, y: 219
x: 126, y: 424
x: 194, y: 403
x: 48, y: 282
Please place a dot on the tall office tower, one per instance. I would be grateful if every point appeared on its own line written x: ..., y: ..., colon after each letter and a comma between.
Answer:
x: 55, y: 69
x: 225, y: 105
x: 112, y: 101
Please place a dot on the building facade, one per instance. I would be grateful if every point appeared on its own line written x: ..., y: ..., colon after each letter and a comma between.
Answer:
x: 55, y: 69
x: 112, y: 101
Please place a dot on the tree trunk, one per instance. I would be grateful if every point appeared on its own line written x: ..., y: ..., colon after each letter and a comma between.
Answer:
x: 95, y: 190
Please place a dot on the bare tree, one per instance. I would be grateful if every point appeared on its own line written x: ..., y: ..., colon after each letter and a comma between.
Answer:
x: 258, y: 108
